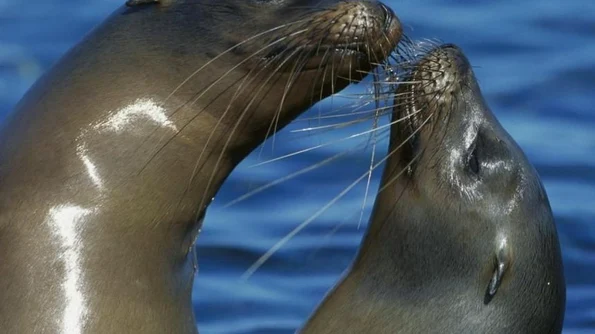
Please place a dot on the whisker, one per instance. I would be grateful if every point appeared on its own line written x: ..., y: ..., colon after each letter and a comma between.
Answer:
x: 206, y: 90
x: 318, y: 146
x: 252, y: 269
x: 369, y: 171
x: 288, y: 177
x: 238, y: 122
x: 193, y: 74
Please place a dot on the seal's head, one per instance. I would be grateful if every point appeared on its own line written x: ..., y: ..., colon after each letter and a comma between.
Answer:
x: 462, y: 237
x: 260, y: 63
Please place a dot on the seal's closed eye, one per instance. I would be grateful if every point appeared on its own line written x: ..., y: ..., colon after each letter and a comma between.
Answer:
x: 472, y: 159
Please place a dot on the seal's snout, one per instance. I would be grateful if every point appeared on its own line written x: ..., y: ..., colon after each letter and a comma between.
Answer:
x: 442, y: 70
x: 434, y: 83
x: 368, y: 23
x: 437, y: 93
x: 454, y: 58
x: 351, y: 36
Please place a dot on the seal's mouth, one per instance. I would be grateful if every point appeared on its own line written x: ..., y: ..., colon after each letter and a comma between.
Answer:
x: 410, y: 133
x: 410, y: 113
x: 350, y: 48
x: 319, y: 56
x: 348, y: 56
x: 409, y: 118
x: 350, y: 62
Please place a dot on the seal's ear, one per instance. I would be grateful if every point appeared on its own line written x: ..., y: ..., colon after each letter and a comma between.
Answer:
x: 132, y: 3
x: 502, y: 264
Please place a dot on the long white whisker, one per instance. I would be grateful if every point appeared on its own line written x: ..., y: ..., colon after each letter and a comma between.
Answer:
x: 371, y: 169
x: 303, y: 225
x: 331, y: 142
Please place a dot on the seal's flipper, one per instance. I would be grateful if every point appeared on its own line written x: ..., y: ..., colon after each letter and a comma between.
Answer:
x: 502, y: 264
x: 132, y: 3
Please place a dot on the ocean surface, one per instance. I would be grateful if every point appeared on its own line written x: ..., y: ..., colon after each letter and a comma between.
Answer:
x: 536, y: 66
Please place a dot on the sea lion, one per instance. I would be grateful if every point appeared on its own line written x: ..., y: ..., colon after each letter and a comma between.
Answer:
x: 108, y: 163
x: 461, y: 237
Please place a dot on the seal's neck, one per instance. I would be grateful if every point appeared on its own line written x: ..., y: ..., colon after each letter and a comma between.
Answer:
x: 103, y: 178
x: 98, y: 216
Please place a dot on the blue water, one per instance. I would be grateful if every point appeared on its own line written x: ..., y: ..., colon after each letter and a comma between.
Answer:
x: 536, y: 66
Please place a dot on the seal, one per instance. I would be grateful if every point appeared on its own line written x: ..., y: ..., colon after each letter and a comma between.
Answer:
x: 108, y: 163
x: 462, y: 238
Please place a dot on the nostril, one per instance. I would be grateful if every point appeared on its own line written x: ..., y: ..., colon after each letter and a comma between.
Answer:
x: 388, y: 16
